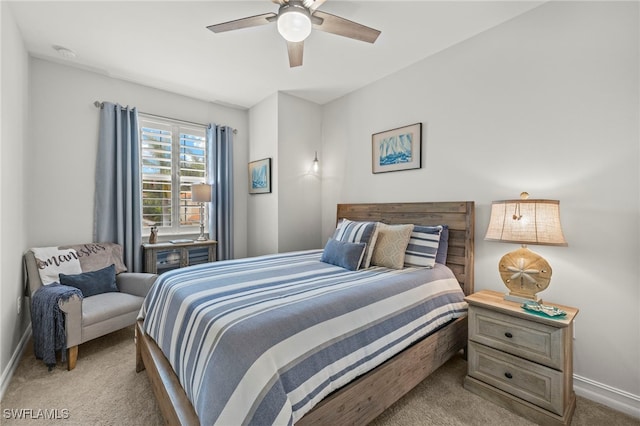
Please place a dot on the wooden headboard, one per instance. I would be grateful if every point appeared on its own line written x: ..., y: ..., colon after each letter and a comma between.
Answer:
x: 459, y: 216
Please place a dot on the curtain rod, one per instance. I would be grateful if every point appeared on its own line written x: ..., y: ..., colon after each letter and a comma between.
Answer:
x: 98, y: 104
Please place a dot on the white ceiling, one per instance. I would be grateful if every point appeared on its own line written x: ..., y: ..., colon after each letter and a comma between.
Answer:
x: 165, y: 44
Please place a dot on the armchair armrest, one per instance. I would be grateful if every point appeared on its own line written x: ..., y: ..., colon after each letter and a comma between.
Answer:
x: 136, y: 283
x: 72, y: 309
x: 33, y: 276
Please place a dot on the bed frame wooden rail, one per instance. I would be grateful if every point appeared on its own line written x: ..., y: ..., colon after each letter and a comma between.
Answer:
x: 368, y: 396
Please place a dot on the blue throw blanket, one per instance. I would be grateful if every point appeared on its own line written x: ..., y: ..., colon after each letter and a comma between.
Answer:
x: 47, y: 322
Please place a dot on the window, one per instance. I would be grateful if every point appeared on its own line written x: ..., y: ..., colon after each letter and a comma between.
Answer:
x: 173, y: 157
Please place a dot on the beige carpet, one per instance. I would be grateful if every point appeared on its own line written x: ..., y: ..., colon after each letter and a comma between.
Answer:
x: 104, y: 389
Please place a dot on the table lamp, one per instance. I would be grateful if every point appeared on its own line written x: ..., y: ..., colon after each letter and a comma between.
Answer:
x: 525, y: 221
x: 201, y: 193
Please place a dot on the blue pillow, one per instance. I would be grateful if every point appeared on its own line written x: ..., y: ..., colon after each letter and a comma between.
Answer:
x: 443, y: 247
x: 92, y: 283
x: 344, y: 254
x: 423, y: 246
x: 358, y: 232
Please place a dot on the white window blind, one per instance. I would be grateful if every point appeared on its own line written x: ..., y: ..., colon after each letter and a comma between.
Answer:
x: 173, y: 157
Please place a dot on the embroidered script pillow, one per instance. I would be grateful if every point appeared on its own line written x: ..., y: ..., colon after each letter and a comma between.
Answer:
x: 52, y: 261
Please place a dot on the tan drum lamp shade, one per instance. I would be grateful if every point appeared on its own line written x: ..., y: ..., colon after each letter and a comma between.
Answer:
x: 201, y: 193
x: 525, y: 222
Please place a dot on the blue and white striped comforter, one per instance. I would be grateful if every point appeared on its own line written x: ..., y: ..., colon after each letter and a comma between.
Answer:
x: 262, y: 340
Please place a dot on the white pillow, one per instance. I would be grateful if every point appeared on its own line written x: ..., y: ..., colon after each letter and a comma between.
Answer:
x: 52, y: 261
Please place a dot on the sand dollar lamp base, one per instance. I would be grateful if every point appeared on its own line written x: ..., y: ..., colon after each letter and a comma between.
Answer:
x: 525, y: 273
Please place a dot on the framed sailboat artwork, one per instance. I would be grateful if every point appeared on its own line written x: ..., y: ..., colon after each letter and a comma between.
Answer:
x: 397, y: 149
x: 260, y: 176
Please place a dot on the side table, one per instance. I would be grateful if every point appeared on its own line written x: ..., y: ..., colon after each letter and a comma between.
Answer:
x: 520, y: 360
x: 162, y: 257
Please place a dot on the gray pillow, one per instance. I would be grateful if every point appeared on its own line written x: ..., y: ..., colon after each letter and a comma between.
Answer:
x: 344, y: 254
x: 92, y: 283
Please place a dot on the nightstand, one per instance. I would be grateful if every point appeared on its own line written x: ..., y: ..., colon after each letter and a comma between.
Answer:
x: 519, y: 360
x: 163, y: 257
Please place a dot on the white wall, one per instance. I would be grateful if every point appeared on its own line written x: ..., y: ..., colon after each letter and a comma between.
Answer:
x: 545, y: 103
x: 14, y: 70
x: 63, y: 144
x: 299, y: 137
x: 287, y: 129
x: 262, y: 215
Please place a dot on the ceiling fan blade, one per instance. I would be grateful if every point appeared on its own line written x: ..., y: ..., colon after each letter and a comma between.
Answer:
x: 251, y: 21
x: 295, y: 50
x: 343, y: 27
x: 280, y: 2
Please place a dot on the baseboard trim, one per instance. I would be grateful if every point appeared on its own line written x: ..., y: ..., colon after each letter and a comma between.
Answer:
x: 7, y: 374
x: 619, y: 400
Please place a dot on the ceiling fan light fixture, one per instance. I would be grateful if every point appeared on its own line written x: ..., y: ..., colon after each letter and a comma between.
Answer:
x: 294, y: 23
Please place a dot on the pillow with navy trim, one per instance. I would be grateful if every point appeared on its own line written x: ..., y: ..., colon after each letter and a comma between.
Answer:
x: 343, y: 254
x: 94, y: 282
x: 443, y: 246
x: 358, y: 232
x: 423, y: 246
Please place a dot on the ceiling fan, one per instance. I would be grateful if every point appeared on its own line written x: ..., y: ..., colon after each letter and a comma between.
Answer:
x: 295, y: 19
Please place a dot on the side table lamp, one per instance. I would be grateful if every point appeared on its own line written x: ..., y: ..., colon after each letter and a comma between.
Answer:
x: 525, y: 222
x: 201, y: 193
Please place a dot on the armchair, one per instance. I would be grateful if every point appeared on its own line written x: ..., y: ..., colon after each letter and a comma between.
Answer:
x: 94, y: 316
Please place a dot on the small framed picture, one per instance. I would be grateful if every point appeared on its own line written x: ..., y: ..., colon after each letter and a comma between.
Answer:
x: 397, y: 149
x: 260, y: 176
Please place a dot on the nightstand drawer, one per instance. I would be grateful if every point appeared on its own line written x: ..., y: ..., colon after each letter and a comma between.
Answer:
x: 532, y: 382
x: 537, y: 342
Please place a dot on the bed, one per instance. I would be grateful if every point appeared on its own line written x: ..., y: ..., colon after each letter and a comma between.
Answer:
x: 369, y: 393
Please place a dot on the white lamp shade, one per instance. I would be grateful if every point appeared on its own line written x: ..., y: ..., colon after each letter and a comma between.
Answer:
x: 294, y: 24
x: 201, y: 193
x: 526, y: 222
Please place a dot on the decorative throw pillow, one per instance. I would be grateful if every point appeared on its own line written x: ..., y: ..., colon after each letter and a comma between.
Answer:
x: 443, y: 246
x: 94, y: 282
x: 94, y: 256
x: 358, y: 232
x: 343, y: 254
x: 391, y: 245
x: 52, y: 261
x: 423, y: 246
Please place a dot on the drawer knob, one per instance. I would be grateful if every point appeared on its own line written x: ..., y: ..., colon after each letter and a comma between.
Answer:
x: 508, y: 375
x: 509, y: 335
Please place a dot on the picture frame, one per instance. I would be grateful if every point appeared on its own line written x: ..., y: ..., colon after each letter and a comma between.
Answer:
x: 397, y: 149
x: 260, y: 176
